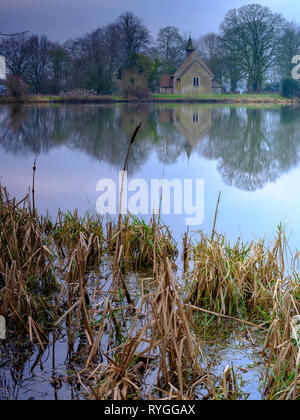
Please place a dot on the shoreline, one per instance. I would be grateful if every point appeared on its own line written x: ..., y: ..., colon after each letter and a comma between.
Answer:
x: 160, y: 99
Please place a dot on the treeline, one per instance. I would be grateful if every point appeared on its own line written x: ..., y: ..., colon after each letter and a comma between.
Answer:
x: 253, y: 51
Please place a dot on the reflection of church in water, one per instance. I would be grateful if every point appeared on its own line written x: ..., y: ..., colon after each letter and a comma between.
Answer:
x: 192, y: 121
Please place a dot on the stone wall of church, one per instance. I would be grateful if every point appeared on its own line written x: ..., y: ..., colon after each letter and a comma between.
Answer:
x: 186, y: 84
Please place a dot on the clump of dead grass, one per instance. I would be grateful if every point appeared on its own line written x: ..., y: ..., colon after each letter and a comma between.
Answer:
x: 236, y: 279
x: 143, y: 244
x: 282, y: 345
x: 163, y: 343
x: 26, y: 275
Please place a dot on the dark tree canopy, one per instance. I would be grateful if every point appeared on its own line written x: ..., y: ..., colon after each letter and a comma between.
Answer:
x: 253, y: 50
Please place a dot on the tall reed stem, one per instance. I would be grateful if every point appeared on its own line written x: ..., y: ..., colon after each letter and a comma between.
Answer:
x: 33, y: 185
x: 215, y: 219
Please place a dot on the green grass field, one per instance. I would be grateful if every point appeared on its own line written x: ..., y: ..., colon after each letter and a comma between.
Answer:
x: 236, y: 97
x: 205, y: 98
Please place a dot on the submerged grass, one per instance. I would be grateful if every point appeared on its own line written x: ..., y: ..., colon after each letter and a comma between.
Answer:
x: 254, y: 283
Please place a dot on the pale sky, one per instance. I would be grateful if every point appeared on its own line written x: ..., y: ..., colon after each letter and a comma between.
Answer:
x: 64, y: 19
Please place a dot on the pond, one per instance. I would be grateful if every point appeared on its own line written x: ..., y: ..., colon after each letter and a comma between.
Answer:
x: 251, y: 155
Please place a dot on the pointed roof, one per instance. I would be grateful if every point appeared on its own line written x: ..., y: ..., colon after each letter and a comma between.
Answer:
x: 192, y: 133
x: 192, y: 58
x: 166, y: 81
x: 190, y: 46
x: 188, y: 149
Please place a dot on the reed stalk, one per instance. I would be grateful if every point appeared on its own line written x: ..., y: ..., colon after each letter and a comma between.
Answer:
x: 142, y: 340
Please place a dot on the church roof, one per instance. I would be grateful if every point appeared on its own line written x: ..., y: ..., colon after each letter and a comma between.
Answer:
x: 166, y: 81
x: 188, y: 62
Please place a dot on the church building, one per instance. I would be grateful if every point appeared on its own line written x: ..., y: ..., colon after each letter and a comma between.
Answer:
x: 193, y: 77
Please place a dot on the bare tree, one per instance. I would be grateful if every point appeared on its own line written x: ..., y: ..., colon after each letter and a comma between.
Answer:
x: 210, y: 49
x: 170, y: 46
x: 133, y: 35
x: 37, y: 62
x: 288, y: 47
x: 58, y: 68
x: 209, y: 46
x: 250, y: 35
x: 94, y: 46
x: 112, y: 53
x: 94, y: 60
x: 77, y: 64
x: 15, y: 50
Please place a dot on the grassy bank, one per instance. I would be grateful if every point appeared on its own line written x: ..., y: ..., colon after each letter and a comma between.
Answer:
x: 228, y: 99
x: 140, y: 310
x: 258, y: 99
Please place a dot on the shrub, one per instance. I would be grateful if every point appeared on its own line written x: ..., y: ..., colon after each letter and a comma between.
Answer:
x: 134, y: 85
x: 16, y: 86
x: 290, y: 88
x: 79, y: 93
x: 272, y: 87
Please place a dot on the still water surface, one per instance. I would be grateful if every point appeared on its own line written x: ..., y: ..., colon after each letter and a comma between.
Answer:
x: 251, y: 155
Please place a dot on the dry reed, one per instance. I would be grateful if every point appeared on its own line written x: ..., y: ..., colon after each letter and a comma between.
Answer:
x: 235, y: 279
x: 145, y: 346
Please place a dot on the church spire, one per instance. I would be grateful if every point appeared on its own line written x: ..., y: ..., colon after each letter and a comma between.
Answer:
x: 190, y: 47
x: 188, y: 150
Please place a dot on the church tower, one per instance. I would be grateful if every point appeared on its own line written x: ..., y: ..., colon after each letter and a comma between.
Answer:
x: 190, y: 47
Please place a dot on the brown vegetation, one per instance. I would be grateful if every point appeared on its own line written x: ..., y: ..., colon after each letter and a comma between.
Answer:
x: 141, y: 341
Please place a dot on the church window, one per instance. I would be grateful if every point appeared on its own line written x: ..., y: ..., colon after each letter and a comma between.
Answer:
x: 196, y: 82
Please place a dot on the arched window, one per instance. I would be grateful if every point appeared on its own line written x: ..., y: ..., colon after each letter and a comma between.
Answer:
x: 196, y: 81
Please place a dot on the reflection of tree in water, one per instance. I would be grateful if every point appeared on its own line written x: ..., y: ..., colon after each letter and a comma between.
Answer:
x: 102, y: 132
x: 22, y: 131
x: 169, y: 145
x: 253, y: 146
x: 13, y: 358
x: 24, y: 367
